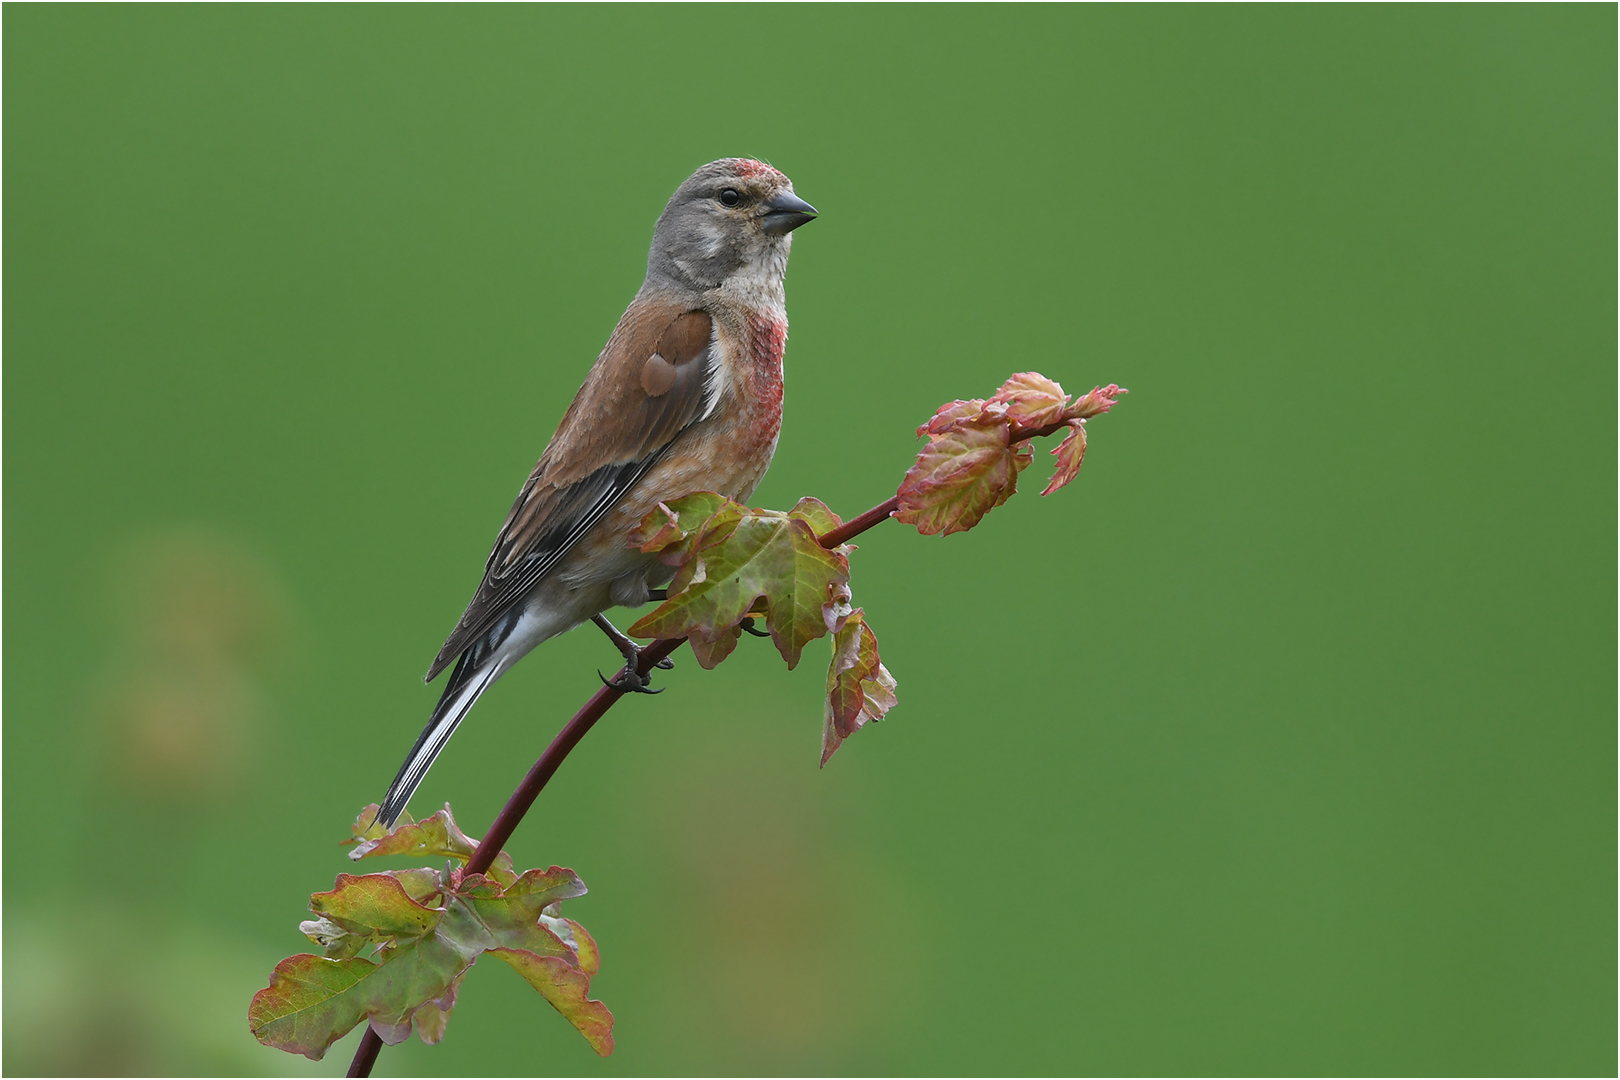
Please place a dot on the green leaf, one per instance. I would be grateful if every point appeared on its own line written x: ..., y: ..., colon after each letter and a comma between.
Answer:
x: 338, y: 943
x: 814, y: 513
x: 859, y: 687
x: 737, y: 559
x: 672, y: 522
x: 436, y: 835
x: 545, y: 887
x: 433, y: 1017
x: 565, y: 987
x: 312, y: 1001
x: 486, y: 921
x: 584, y: 946
x: 374, y: 904
x: 421, y: 883
x: 367, y: 827
x: 307, y: 1007
x: 422, y: 951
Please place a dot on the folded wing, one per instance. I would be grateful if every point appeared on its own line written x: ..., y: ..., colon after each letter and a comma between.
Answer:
x: 654, y: 380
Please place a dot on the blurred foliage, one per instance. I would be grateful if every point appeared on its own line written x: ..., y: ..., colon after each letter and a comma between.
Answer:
x: 1283, y: 740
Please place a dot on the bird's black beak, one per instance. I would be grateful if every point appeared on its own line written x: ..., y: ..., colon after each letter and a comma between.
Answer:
x: 785, y: 212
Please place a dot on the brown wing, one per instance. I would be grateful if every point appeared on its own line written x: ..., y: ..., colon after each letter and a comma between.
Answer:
x: 651, y: 382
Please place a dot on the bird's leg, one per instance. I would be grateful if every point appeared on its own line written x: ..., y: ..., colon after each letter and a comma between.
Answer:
x: 629, y: 679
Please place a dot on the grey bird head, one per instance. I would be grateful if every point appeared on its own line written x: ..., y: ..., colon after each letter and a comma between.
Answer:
x: 731, y: 222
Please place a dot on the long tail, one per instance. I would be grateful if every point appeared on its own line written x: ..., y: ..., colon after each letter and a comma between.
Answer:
x: 460, y: 693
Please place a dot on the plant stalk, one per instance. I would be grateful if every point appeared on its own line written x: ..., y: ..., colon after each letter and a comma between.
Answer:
x: 506, y: 822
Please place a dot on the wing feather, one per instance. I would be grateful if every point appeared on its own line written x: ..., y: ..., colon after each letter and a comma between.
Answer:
x: 649, y: 385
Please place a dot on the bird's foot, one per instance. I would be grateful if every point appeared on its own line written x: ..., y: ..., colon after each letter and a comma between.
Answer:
x: 747, y: 627
x: 629, y: 679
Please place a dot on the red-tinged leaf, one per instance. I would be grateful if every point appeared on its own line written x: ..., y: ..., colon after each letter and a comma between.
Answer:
x: 763, y: 556
x: 1070, y: 453
x: 336, y: 942
x: 958, y: 477
x: 306, y: 1007
x: 374, y: 904
x: 1022, y: 455
x: 367, y: 827
x: 814, y: 513
x: 565, y: 987
x: 433, y: 1018
x: 501, y: 870
x: 512, y: 922
x: 312, y: 1002
x: 590, y: 957
x: 1095, y: 403
x: 859, y: 687
x: 421, y: 951
x: 543, y: 887
x: 421, y: 884
x: 1032, y: 399
x: 672, y: 522
x: 433, y: 836
x: 837, y: 610
x: 951, y: 414
x: 711, y: 650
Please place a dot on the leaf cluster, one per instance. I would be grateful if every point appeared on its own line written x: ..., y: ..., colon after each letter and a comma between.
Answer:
x: 734, y: 564
x: 977, y: 448
x: 396, y: 945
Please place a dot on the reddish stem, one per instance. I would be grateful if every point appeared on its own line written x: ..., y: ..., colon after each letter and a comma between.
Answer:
x: 543, y: 770
x: 371, y: 1045
x: 506, y: 822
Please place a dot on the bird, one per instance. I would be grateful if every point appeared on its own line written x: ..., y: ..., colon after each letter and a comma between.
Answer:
x: 686, y: 396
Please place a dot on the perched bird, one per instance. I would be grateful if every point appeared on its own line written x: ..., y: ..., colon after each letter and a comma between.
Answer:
x: 686, y: 396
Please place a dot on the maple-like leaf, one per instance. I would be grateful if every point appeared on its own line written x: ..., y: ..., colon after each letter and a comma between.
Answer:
x: 426, y: 929
x: 1099, y: 401
x: 954, y: 412
x: 374, y: 904
x: 1032, y: 399
x: 672, y: 522
x: 971, y: 464
x: 434, y: 835
x: 584, y: 946
x: 566, y: 988
x: 859, y: 687
x: 735, y: 560
x: 1022, y: 456
x: 959, y: 476
x: 1070, y: 452
x: 434, y: 1016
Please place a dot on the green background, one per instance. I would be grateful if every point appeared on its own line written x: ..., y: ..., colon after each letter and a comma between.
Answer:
x: 1281, y: 742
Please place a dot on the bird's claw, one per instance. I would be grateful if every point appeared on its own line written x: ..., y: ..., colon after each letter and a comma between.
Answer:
x: 630, y: 681
x: 747, y: 626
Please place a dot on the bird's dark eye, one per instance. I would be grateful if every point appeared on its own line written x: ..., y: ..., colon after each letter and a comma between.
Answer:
x: 729, y: 197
